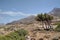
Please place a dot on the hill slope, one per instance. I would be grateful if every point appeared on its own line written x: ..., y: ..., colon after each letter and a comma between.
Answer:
x: 27, y: 20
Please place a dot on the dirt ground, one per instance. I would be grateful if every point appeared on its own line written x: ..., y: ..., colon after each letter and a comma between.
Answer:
x: 45, y: 35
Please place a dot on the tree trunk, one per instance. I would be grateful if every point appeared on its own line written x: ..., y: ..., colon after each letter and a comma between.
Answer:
x: 45, y: 23
x: 49, y: 24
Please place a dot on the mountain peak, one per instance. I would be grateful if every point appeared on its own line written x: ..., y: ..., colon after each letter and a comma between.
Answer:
x: 56, y: 9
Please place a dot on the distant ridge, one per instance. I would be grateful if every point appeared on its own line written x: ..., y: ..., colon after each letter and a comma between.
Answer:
x: 55, y: 12
x: 27, y: 20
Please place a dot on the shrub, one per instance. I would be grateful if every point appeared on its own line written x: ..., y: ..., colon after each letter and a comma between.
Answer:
x: 17, y: 35
x: 22, y: 32
x: 57, y: 28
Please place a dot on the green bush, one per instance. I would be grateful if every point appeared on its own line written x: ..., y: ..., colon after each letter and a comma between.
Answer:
x: 17, y: 35
x: 22, y: 32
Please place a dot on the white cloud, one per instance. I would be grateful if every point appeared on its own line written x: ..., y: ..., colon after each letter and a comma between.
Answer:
x: 16, y: 13
x: 13, y: 14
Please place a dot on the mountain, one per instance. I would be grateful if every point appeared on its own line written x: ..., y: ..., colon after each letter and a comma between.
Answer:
x: 27, y: 20
x: 55, y: 12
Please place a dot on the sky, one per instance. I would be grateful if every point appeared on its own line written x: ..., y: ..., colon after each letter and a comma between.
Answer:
x: 11, y: 10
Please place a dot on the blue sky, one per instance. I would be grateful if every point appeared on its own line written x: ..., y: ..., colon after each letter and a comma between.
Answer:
x: 11, y: 10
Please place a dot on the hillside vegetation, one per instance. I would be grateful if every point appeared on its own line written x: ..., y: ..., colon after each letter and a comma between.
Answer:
x: 17, y: 35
